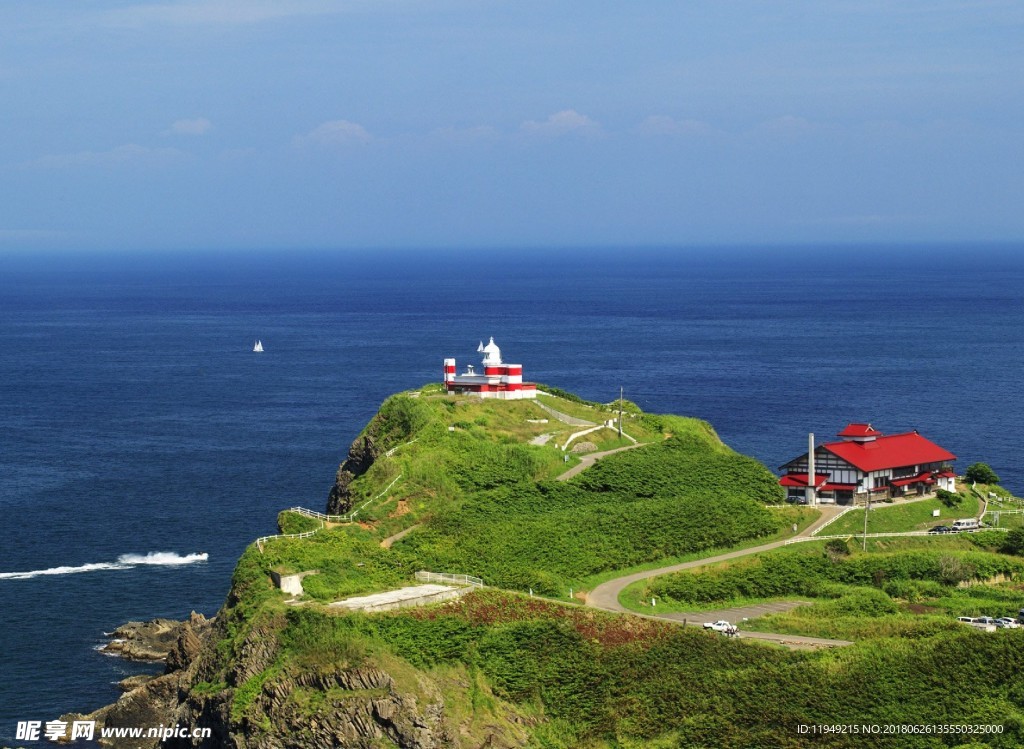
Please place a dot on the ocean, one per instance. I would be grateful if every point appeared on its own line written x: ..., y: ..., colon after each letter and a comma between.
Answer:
x: 144, y: 445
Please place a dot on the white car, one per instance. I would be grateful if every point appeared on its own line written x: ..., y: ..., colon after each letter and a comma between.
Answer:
x: 1006, y: 622
x: 720, y: 626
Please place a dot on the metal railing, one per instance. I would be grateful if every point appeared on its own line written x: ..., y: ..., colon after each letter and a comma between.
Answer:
x: 263, y: 539
x: 322, y: 518
x: 829, y: 522
x: 888, y: 535
x: 343, y: 518
x: 444, y: 577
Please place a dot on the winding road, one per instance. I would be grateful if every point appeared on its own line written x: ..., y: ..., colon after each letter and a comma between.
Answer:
x: 606, y: 595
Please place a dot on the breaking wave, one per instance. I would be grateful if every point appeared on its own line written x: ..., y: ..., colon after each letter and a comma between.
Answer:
x: 124, y: 562
x: 162, y: 557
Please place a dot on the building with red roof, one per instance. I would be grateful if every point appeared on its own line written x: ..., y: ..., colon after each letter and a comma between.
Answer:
x: 868, y: 463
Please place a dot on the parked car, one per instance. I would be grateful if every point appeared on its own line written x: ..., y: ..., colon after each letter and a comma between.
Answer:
x: 966, y: 619
x: 940, y: 529
x: 985, y: 620
x: 1005, y: 622
x: 720, y: 626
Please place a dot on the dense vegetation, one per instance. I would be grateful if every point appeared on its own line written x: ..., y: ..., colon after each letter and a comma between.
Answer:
x: 684, y: 493
x: 488, y: 506
x: 905, y: 589
x: 601, y: 680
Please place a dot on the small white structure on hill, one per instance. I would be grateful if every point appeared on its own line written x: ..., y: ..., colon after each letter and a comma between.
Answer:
x: 498, y: 379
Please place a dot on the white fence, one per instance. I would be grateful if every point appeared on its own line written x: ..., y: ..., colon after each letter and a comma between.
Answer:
x: 442, y: 577
x: 322, y: 518
x: 263, y: 539
x: 834, y: 519
x: 888, y: 535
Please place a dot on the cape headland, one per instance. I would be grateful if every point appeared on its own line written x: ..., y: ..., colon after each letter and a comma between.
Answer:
x: 481, y: 503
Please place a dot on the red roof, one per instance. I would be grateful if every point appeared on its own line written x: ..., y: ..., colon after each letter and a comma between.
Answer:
x: 859, y: 430
x: 925, y: 477
x: 946, y: 475
x: 800, y: 479
x: 838, y: 487
x: 890, y: 452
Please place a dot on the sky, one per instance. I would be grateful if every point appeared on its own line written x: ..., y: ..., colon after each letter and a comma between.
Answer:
x: 487, y: 124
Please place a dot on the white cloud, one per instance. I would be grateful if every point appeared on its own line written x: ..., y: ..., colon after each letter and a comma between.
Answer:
x: 198, y: 126
x: 332, y: 134
x: 562, y: 123
x: 128, y: 154
x: 660, y: 124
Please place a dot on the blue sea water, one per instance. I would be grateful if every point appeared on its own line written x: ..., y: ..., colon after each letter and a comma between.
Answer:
x: 136, y: 419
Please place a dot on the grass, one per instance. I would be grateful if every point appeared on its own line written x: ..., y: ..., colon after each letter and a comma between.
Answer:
x: 900, y: 589
x: 900, y: 517
x: 633, y: 424
x: 549, y: 675
x: 633, y: 596
x: 486, y: 507
x: 663, y: 500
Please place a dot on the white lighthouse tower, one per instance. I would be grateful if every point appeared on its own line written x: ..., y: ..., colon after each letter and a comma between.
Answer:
x: 497, y: 380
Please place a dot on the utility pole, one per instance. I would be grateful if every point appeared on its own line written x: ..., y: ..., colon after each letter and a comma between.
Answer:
x: 864, y: 545
x: 620, y: 411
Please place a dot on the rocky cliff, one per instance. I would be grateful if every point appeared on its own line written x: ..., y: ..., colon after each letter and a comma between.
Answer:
x: 361, y: 455
x: 255, y: 698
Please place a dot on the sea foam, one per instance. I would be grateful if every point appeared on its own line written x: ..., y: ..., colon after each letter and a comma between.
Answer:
x: 162, y: 557
x: 124, y: 562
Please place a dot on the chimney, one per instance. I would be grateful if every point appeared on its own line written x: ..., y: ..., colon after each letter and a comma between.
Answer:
x: 812, y: 479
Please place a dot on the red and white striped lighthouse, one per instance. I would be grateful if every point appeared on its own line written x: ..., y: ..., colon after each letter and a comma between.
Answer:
x: 498, y: 379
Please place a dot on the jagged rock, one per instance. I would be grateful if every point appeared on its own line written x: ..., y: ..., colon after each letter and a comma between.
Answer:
x: 134, y: 682
x: 361, y: 455
x: 144, y: 641
x: 185, y: 649
x: 359, y: 707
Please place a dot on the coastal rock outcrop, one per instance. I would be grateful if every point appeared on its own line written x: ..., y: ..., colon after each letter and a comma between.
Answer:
x: 148, y: 700
x: 153, y: 640
x: 361, y: 455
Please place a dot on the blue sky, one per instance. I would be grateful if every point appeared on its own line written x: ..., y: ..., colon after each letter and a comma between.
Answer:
x: 394, y: 123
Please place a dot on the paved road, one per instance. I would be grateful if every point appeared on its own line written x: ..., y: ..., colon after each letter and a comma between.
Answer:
x: 606, y: 595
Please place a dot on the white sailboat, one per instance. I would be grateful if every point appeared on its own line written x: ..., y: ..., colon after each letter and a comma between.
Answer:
x: 258, y: 348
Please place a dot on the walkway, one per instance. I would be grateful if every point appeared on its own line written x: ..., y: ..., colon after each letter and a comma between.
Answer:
x: 387, y: 542
x: 606, y: 595
x: 588, y: 460
x: 565, y: 418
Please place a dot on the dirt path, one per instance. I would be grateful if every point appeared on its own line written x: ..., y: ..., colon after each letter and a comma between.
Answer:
x: 588, y: 460
x: 606, y: 595
x: 386, y: 543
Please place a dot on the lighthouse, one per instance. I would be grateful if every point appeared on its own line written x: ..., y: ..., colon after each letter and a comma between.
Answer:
x: 496, y: 379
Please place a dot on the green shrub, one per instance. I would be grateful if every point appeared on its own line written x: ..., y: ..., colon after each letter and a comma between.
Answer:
x: 981, y: 473
x: 1014, y: 542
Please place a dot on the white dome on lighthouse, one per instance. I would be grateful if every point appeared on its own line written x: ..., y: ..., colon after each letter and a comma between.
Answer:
x: 492, y: 354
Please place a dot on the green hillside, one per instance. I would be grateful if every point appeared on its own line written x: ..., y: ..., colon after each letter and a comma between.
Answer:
x: 486, y: 502
x: 476, y: 485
